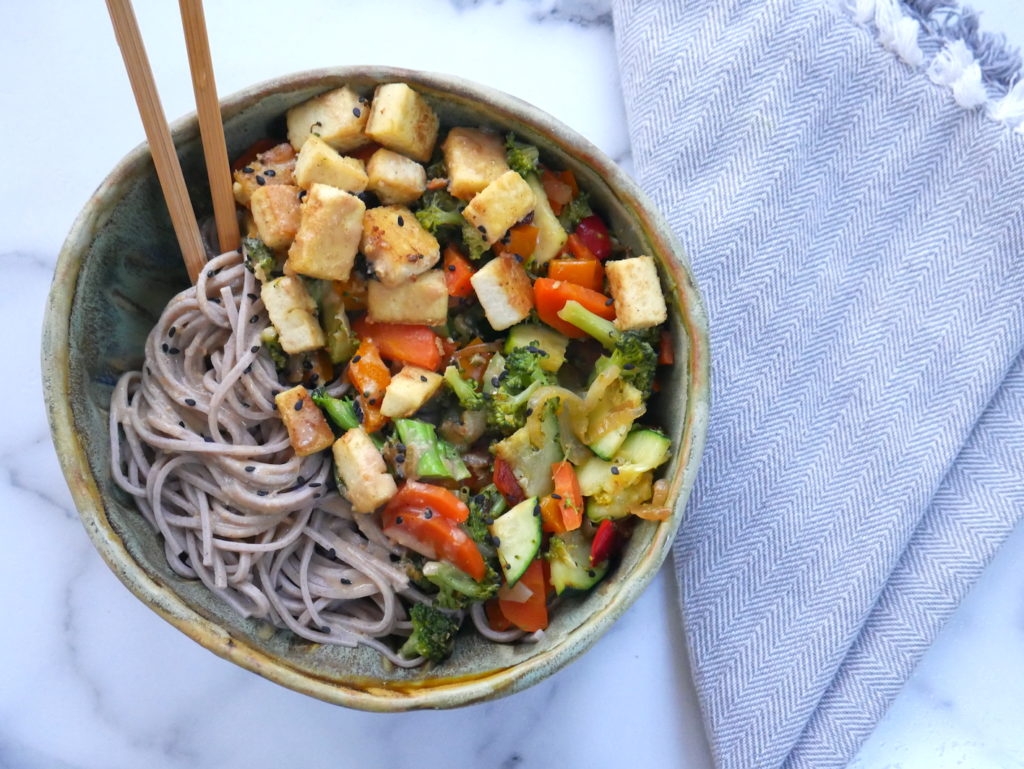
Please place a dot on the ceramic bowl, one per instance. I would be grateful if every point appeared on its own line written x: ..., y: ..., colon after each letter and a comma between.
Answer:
x: 120, y: 265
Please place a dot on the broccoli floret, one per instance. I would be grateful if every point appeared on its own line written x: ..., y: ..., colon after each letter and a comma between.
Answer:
x: 456, y: 589
x: 433, y: 456
x: 433, y: 634
x: 522, y: 158
x: 473, y: 242
x: 271, y: 343
x: 465, y: 390
x: 506, y: 409
x: 484, y: 506
x: 259, y: 259
x: 342, y: 411
x: 577, y: 209
x: 629, y: 350
x: 439, y: 209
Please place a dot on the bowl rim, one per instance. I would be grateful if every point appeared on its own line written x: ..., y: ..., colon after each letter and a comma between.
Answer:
x: 438, y: 693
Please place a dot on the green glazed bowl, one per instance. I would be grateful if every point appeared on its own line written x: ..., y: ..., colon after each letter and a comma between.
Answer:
x: 121, y: 264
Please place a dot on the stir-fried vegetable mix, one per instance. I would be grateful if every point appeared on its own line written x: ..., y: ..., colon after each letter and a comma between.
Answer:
x: 463, y: 331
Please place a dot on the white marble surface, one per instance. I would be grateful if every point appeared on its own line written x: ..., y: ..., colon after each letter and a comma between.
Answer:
x: 91, y: 678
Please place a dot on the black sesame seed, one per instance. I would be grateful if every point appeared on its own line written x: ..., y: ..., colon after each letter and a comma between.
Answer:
x: 356, y: 358
x: 215, y: 299
x: 300, y: 480
x: 615, y: 470
x: 518, y: 258
x: 536, y: 511
x: 183, y: 557
x: 609, y: 302
x: 315, y: 485
x: 190, y: 402
x: 483, y: 230
x: 165, y: 347
x: 401, y: 221
x: 181, y: 424
x: 591, y: 573
x: 394, y: 558
x: 495, y: 541
x: 254, y: 348
x: 399, y: 458
x: 356, y: 111
x: 346, y: 581
x: 428, y: 513
x: 556, y: 496
x: 247, y: 169
x: 270, y: 172
x: 495, y: 381
x: 171, y: 332
x: 423, y: 378
x: 298, y: 404
x: 250, y: 468
x: 173, y: 351
x: 372, y: 401
x: 451, y: 268
x: 260, y: 181
x: 302, y: 194
x: 209, y: 273
x: 253, y: 297
x: 274, y: 393
x: 262, y: 493
x: 529, y: 412
x: 248, y: 369
x: 254, y: 318
x: 208, y: 439
x: 399, y: 520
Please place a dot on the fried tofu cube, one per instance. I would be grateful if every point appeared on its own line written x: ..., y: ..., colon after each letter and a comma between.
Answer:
x: 362, y: 472
x: 474, y: 159
x: 396, y: 245
x: 500, y: 205
x: 409, y: 389
x: 634, y: 284
x: 394, y: 178
x: 320, y: 163
x: 504, y: 290
x: 291, y: 310
x: 423, y: 299
x: 328, y: 237
x: 338, y: 117
x: 308, y: 431
x: 275, y: 166
x: 275, y: 209
x: 401, y: 120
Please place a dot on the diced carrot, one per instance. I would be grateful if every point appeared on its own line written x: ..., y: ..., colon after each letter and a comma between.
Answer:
x: 530, y: 615
x: 551, y: 515
x: 551, y: 295
x: 559, y: 192
x: 588, y: 273
x: 457, y: 272
x: 428, y: 496
x: 575, y: 246
x: 433, y: 536
x: 370, y: 376
x: 521, y: 241
x: 666, y: 357
x: 408, y: 343
x: 570, y: 498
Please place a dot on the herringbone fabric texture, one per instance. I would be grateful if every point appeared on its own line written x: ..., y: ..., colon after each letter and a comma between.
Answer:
x: 859, y: 240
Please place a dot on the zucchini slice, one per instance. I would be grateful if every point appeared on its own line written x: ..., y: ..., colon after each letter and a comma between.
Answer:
x: 569, y: 558
x: 519, y: 534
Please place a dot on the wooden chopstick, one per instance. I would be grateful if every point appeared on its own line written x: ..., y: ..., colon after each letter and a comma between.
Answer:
x: 211, y: 129
x: 161, y: 146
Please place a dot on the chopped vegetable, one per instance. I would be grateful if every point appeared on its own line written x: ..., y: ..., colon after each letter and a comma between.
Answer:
x: 435, y: 537
x: 458, y: 589
x: 605, y: 540
x: 567, y: 492
x: 466, y: 390
x: 404, y: 342
x: 430, y: 497
x: 523, y: 374
x: 427, y: 455
x: 371, y: 377
x: 506, y: 483
x: 576, y: 211
x: 593, y: 233
x: 583, y: 272
x: 342, y: 411
x: 551, y: 296
x: 530, y: 615
x: 457, y: 272
x: 433, y: 634
x: 522, y: 158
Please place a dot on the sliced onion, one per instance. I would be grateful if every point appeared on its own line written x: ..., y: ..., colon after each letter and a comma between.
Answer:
x: 518, y: 593
x: 622, y: 414
x: 659, y: 493
x: 598, y: 387
x: 570, y: 402
x: 650, y: 512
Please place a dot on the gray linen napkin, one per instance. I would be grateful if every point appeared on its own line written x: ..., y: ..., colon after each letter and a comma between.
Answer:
x: 855, y: 217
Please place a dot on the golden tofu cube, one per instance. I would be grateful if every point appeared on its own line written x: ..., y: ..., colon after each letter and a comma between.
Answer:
x: 423, y: 299
x: 500, y: 205
x: 634, y: 285
x: 275, y: 166
x: 394, y: 178
x: 362, y: 472
x: 328, y: 238
x: 408, y: 390
x: 338, y: 117
x: 275, y: 209
x: 396, y: 245
x: 401, y: 120
x: 504, y: 291
x: 291, y: 310
x: 308, y: 431
x: 474, y: 159
x: 320, y: 163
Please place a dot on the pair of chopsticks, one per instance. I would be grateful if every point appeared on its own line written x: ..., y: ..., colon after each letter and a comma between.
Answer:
x: 211, y: 129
